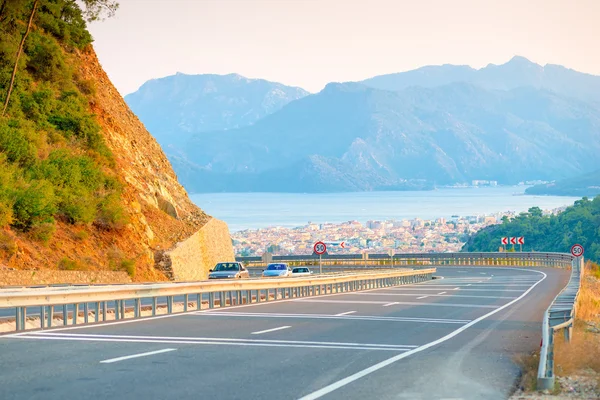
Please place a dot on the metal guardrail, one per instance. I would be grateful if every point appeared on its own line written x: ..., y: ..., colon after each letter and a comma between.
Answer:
x: 96, y: 301
x: 560, y: 315
x: 415, y: 259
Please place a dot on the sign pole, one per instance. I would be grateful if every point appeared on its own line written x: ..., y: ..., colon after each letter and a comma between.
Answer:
x: 320, y: 265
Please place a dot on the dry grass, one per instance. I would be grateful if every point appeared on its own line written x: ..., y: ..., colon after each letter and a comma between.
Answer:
x: 588, y: 303
x: 529, y: 366
x: 583, y: 352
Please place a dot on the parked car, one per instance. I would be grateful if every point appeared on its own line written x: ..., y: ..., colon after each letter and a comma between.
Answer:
x: 277, y: 269
x: 229, y: 270
x: 301, y: 271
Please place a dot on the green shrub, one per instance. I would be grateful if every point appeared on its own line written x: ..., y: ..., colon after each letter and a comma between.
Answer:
x: 15, y: 145
x: 67, y: 264
x: 34, y: 204
x: 42, y: 232
x: 128, y: 266
x: 111, y: 214
x: 7, y: 244
x: 81, y: 235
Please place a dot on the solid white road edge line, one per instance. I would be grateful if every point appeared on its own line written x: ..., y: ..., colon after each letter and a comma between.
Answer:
x: 302, y: 346
x: 207, y: 339
x: 343, y: 382
x: 390, y: 304
x: 150, y: 353
x: 271, y: 330
x: 422, y: 297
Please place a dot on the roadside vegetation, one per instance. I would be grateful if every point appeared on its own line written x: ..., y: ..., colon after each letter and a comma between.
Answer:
x: 576, y: 363
x: 54, y: 162
x: 579, y: 223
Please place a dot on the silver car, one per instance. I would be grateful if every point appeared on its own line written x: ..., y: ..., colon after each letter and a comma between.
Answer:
x: 229, y: 270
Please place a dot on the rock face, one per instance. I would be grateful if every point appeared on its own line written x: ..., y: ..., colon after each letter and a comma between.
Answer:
x: 161, y: 211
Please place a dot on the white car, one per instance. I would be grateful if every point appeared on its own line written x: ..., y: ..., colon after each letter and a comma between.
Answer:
x: 301, y: 271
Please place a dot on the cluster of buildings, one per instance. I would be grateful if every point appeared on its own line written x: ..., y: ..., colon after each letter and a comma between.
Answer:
x: 404, y: 236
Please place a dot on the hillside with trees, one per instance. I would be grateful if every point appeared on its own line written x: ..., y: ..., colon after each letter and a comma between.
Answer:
x: 579, y: 223
x: 83, y: 185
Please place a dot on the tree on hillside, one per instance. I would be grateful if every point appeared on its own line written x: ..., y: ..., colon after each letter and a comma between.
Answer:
x: 579, y: 223
x: 94, y: 10
x: 19, y: 52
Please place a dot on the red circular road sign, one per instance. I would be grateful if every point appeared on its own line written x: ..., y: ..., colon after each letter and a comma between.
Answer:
x: 320, y: 248
x: 577, y: 250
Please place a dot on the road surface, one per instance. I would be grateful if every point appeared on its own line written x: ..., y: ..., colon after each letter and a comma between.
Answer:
x: 453, y: 338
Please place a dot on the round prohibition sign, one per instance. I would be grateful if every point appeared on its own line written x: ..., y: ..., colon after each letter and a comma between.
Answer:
x: 577, y: 250
x: 320, y: 248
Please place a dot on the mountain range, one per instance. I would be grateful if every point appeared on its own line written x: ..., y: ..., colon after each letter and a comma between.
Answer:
x: 414, y: 130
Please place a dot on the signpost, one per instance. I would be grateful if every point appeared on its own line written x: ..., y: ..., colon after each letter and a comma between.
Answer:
x: 320, y: 248
x: 521, y: 241
x: 391, y: 253
x: 577, y: 250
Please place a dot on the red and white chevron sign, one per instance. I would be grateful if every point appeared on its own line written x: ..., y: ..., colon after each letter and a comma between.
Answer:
x: 513, y: 240
x: 521, y: 240
x: 504, y: 240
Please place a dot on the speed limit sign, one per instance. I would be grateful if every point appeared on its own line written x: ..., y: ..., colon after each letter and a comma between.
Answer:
x: 577, y: 250
x: 320, y: 248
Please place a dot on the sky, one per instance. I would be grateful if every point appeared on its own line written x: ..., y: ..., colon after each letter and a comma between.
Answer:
x: 309, y: 43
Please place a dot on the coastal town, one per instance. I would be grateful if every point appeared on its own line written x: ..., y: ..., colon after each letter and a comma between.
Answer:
x: 400, y: 236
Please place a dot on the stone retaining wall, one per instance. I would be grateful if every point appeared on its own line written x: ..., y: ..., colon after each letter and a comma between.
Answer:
x: 10, y: 277
x: 192, y: 258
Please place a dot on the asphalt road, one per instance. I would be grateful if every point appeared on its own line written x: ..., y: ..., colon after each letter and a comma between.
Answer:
x: 453, y: 338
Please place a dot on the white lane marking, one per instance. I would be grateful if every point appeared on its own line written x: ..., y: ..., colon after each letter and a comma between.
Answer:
x: 150, y: 353
x: 390, y: 304
x: 216, y: 341
x: 349, y: 379
x: 435, y: 295
x: 469, y: 284
x: 422, y: 297
x: 271, y: 330
x: 345, y: 313
x: 345, y: 317
x: 442, y: 292
x: 456, y: 288
x: 403, y: 303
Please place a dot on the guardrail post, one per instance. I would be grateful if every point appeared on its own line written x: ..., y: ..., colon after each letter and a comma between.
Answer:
x: 137, y: 309
x: 185, y: 302
x: 75, y: 313
x: 42, y: 316
x: 50, y: 316
x: 117, y: 310
x: 211, y: 299
x: 85, y: 313
x: 97, y: 311
x: 199, y: 301
x: 154, y: 304
x: 65, y: 314
x: 18, y: 325
x: 169, y: 304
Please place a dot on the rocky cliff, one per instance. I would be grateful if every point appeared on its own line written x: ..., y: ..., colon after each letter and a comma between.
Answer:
x: 86, y: 193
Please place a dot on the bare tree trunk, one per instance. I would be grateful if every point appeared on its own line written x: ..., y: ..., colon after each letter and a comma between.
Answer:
x: 14, y: 74
x: 2, y: 8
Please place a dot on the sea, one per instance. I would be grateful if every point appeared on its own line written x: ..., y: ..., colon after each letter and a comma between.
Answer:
x: 244, y: 211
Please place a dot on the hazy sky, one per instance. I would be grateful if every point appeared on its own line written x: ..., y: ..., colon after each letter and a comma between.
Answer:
x: 309, y: 43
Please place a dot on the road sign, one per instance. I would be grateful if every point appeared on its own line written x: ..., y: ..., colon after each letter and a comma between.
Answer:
x: 513, y: 240
x: 577, y: 250
x: 320, y: 248
x: 521, y: 240
x: 343, y: 245
x: 504, y: 240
